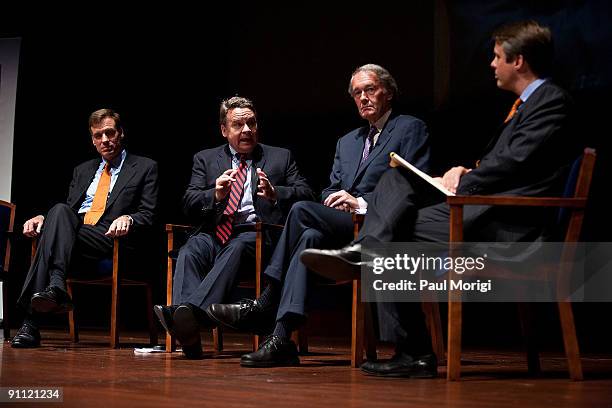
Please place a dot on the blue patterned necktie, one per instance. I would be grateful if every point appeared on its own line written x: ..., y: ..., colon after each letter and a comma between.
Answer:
x: 369, y: 144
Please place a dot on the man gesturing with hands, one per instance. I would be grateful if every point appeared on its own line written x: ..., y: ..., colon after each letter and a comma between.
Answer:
x: 231, y: 186
x: 361, y: 157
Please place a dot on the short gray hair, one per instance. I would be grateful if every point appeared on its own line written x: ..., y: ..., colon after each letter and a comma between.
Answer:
x: 233, y: 103
x: 385, y: 78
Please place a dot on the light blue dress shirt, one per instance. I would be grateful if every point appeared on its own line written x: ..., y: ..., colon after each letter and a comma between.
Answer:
x: 115, y: 168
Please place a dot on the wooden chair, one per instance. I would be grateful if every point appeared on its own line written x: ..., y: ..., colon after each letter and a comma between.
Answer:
x: 576, y: 207
x: 115, y: 281
x: 7, y: 219
x: 174, y: 244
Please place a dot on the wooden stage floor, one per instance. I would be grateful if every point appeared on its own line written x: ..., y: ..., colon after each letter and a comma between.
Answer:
x: 93, y: 375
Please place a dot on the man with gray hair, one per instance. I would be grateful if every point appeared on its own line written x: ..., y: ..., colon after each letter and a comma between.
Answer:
x: 362, y: 156
x: 231, y: 187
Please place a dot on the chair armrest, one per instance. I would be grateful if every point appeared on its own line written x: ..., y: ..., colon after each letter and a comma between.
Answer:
x: 517, y: 201
x: 175, y: 227
x: 262, y: 226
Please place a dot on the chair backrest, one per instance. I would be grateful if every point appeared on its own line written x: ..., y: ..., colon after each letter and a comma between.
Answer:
x: 578, y: 185
x: 7, y: 218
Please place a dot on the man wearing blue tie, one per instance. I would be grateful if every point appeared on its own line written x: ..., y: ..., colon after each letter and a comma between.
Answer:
x: 362, y: 156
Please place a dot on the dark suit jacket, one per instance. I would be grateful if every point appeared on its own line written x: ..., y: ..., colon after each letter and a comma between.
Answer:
x: 530, y: 157
x: 134, y: 193
x: 199, y: 199
x: 403, y: 134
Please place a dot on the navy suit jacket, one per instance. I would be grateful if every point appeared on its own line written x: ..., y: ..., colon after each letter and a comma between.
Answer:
x: 199, y: 199
x: 530, y: 157
x: 134, y: 193
x: 403, y: 134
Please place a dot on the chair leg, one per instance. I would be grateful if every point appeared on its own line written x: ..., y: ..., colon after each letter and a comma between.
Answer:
x: 434, y: 324
x: 370, y: 336
x: 153, y: 335
x: 74, y: 330
x: 6, y: 322
x: 170, y: 343
x: 300, y: 337
x: 357, y: 326
x: 570, y: 340
x: 114, y: 323
x: 526, y: 316
x: 453, y: 359
x: 218, y: 339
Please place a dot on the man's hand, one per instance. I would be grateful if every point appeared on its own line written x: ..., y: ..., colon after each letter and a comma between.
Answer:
x: 119, y: 227
x: 451, y: 178
x: 341, y: 200
x: 223, y: 184
x: 33, y: 226
x: 265, y: 188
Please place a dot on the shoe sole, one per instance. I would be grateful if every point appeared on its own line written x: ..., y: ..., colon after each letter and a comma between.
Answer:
x: 332, y: 267
x: 406, y: 374
x: 162, y: 319
x: 264, y: 364
x: 24, y: 345
x: 187, y: 331
x: 42, y: 305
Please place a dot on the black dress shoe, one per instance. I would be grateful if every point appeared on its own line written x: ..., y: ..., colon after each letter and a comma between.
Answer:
x: 337, y: 264
x: 164, y: 314
x: 187, y: 330
x: 403, y: 365
x: 52, y: 300
x: 275, y: 351
x: 26, y: 337
x: 245, y: 316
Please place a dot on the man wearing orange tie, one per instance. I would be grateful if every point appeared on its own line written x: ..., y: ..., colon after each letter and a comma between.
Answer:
x: 110, y: 196
x: 529, y: 157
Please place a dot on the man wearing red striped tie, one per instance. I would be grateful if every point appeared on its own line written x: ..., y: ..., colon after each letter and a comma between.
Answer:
x: 231, y: 186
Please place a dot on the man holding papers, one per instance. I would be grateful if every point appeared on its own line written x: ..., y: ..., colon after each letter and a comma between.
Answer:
x: 362, y: 156
x: 527, y: 158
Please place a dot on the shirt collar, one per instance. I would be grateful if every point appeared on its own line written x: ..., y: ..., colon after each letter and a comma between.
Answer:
x: 380, y: 123
x: 117, y: 162
x: 531, y: 89
x: 234, y: 152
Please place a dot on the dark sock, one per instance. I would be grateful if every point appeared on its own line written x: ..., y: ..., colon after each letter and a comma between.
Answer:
x: 57, y: 279
x: 269, y: 296
x: 288, y: 324
x: 283, y: 329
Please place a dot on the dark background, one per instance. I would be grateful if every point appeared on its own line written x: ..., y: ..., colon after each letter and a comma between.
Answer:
x: 166, y: 68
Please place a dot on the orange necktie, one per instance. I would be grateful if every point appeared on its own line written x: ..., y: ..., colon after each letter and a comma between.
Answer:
x: 99, y: 202
x: 513, y: 110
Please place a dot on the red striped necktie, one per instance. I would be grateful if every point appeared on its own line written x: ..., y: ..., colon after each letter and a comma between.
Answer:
x: 225, y: 226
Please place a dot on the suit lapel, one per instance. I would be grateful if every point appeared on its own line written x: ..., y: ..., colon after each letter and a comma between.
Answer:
x: 383, y: 139
x: 128, y: 170
x: 84, y: 183
x: 224, y: 160
x: 357, y: 152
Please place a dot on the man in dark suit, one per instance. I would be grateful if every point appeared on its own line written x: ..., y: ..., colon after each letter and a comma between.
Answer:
x: 111, y: 196
x: 231, y: 186
x: 528, y: 158
x: 362, y: 156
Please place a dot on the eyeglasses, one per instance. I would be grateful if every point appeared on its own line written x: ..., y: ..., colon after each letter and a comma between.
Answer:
x: 369, y: 90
